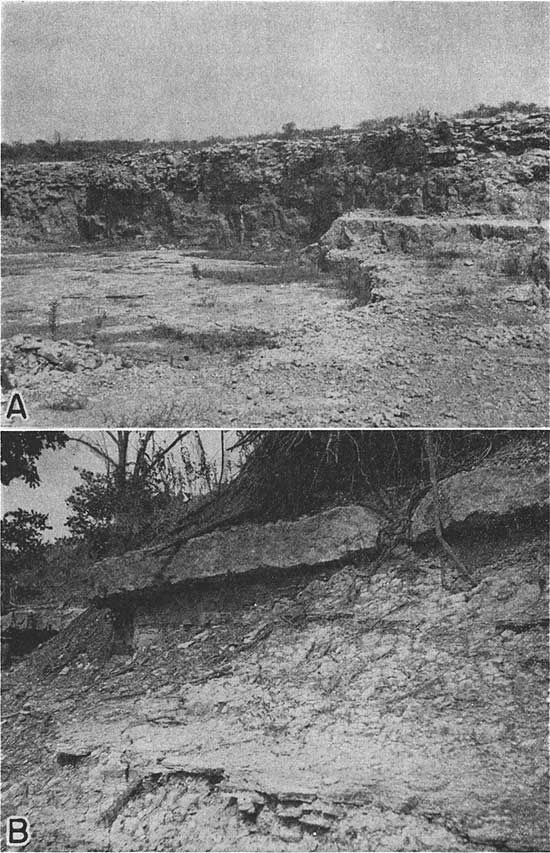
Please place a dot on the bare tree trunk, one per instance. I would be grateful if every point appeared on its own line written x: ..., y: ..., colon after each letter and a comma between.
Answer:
x: 430, y: 452
x: 222, y: 462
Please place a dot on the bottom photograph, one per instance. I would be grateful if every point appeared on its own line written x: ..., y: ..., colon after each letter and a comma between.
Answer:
x: 275, y: 640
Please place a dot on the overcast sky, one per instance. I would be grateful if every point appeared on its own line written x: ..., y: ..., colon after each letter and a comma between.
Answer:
x: 188, y: 70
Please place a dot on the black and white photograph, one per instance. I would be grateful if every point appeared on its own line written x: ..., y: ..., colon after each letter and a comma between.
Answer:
x: 275, y: 214
x: 275, y: 451
x: 275, y: 640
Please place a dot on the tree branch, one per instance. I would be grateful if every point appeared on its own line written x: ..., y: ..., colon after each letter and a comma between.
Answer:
x: 160, y: 454
x: 97, y: 450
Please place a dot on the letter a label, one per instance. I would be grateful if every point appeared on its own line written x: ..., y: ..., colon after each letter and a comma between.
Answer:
x: 16, y: 407
x: 18, y: 832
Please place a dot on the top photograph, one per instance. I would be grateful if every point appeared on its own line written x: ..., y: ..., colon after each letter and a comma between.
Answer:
x: 275, y: 214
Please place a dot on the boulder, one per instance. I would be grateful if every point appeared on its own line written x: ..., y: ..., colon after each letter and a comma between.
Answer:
x: 490, y: 493
x: 317, y: 540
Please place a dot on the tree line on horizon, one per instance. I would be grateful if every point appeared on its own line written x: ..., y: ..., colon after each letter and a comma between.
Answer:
x: 58, y: 150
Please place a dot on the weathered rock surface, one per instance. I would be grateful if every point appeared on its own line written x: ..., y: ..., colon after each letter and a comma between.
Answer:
x: 30, y: 363
x: 369, y: 243
x: 498, y: 490
x: 366, y: 706
x: 290, y: 188
x: 415, y: 235
x: 394, y: 714
x: 334, y: 535
x: 30, y: 355
x: 39, y: 618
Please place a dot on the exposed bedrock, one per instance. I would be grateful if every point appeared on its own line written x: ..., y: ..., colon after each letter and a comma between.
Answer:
x: 365, y: 230
x: 367, y: 242
x: 491, y: 493
x: 390, y: 714
x: 320, y: 540
x: 364, y: 706
x: 275, y: 191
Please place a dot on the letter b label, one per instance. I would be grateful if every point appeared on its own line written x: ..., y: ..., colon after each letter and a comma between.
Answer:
x: 17, y: 831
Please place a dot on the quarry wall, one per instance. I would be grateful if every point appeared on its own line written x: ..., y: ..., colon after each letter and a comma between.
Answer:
x: 275, y: 191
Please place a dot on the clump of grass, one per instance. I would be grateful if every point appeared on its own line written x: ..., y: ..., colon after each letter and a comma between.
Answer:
x: 268, y: 268
x: 513, y: 266
x: 441, y: 258
x: 283, y: 274
x: 53, y: 317
x: 271, y: 256
x: 66, y: 401
x: 239, y: 276
x: 207, y: 302
x: 463, y: 290
x: 236, y: 338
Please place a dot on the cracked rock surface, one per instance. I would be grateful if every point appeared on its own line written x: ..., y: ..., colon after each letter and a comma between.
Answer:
x: 498, y: 488
x: 325, y: 538
x: 367, y: 708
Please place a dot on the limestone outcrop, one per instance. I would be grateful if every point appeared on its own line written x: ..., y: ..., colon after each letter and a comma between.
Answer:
x: 278, y: 689
x: 274, y: 190
x: 492, y: 493
x: 355, y: 710
x: 327, y: 538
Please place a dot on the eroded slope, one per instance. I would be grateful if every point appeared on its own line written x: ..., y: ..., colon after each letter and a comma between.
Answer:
x: 385, y: 704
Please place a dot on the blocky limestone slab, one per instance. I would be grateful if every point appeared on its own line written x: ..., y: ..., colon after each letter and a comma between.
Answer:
x: 361, y: 231
x: 483, y: 495
x: 313, y: 540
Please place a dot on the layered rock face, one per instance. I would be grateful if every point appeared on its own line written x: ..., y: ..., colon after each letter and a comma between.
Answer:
x: 366, y: 706
x: 279, y: 190
x: 489, y: 494
x: 335, y: 535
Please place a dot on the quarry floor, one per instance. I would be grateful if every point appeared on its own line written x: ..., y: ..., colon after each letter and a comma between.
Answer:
x: 363, y: 708
x: 452, y: 346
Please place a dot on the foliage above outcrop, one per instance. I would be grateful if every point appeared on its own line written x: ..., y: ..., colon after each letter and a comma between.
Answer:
x: 289, y: 473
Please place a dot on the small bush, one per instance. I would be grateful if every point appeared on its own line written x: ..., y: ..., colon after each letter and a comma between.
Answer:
x: 99, y: 319
x: 66, y: 401
x: 512, y: 265
x: 441, y: 259
x: 53, y: 317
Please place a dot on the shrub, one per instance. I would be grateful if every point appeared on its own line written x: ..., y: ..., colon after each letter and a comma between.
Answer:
x: 22, y: 544
x: 441, y: 258
x: 53, y: 317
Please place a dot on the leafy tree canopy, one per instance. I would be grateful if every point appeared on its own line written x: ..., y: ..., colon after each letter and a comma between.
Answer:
x: 20, y: 451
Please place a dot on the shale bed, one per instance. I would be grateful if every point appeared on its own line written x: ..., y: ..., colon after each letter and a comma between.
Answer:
x: 376, y: 702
